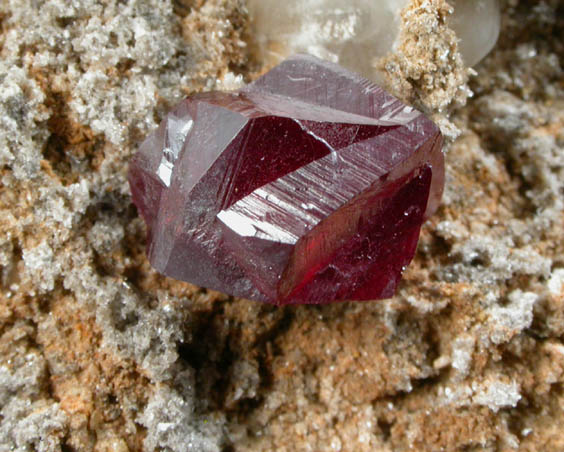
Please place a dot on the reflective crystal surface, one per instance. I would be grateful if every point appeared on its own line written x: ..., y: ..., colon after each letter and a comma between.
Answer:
x: 308, y: 186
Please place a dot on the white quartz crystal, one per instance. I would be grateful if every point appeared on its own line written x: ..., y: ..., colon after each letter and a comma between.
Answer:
x: 355, y: 33
x: 349, y: 32
x: 476, y: 23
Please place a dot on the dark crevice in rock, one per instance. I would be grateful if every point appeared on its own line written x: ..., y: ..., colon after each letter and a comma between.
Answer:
x: 268, y: 348
x: 183, y: 7
x: 65, y: 447
x: 208, y: 352
x: 385, y: 428
x: 71, y: 148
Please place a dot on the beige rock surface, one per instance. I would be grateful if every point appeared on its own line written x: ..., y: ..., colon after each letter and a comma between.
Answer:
x: 100, y: 353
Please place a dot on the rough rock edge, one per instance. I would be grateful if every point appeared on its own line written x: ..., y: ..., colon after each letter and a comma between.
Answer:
x: 426, y: 69
x: 74, y: 275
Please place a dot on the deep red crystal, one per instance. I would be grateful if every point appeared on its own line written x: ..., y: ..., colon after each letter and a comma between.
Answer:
x: 309, y: 185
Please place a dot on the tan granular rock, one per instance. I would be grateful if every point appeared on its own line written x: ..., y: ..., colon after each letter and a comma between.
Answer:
x: 426, y: 69
x: 100, y: 353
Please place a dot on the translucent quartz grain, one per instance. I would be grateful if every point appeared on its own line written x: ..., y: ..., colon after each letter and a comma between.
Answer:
x: 348, y: 32
x: 309, y: 185
x: 477, y: 24
x: 355, y: 33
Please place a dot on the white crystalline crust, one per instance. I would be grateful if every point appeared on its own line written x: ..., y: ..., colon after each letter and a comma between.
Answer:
x: 97, y: 352
x: 22, y: 117
x: 494, y: 393
x: 28, y: 419
x: 171, y: 423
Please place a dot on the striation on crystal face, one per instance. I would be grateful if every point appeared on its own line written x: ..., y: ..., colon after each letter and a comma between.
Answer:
x: 309, y: 185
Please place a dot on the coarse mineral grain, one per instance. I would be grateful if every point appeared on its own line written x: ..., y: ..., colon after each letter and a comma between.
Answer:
x: 308, y: 186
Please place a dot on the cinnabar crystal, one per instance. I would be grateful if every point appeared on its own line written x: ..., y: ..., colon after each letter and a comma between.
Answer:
x: 309, y: 185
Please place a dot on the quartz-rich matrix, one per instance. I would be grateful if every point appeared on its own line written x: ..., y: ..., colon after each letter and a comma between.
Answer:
x: 310, y: 185
x: 356, y: 33
x: 99, y: 352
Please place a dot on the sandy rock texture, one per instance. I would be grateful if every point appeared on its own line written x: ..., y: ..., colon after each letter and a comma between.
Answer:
x: 100, y: 353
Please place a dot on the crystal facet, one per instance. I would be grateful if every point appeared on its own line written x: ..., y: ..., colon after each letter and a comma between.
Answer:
x: 309, y: 185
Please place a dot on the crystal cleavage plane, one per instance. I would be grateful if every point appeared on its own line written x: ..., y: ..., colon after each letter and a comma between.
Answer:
x: 309, y: 185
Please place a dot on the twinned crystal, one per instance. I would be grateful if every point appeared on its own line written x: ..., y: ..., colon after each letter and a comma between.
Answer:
x: 309, y: 185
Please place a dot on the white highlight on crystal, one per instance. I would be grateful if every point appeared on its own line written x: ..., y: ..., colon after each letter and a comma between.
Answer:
x: 250, y: 227
x: 164, y: 171
x: 237, y: 222
x: 176, y: 133
x: 246, y: 216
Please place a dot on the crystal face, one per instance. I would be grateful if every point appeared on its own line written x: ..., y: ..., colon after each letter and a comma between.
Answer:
x: 309, y: 185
